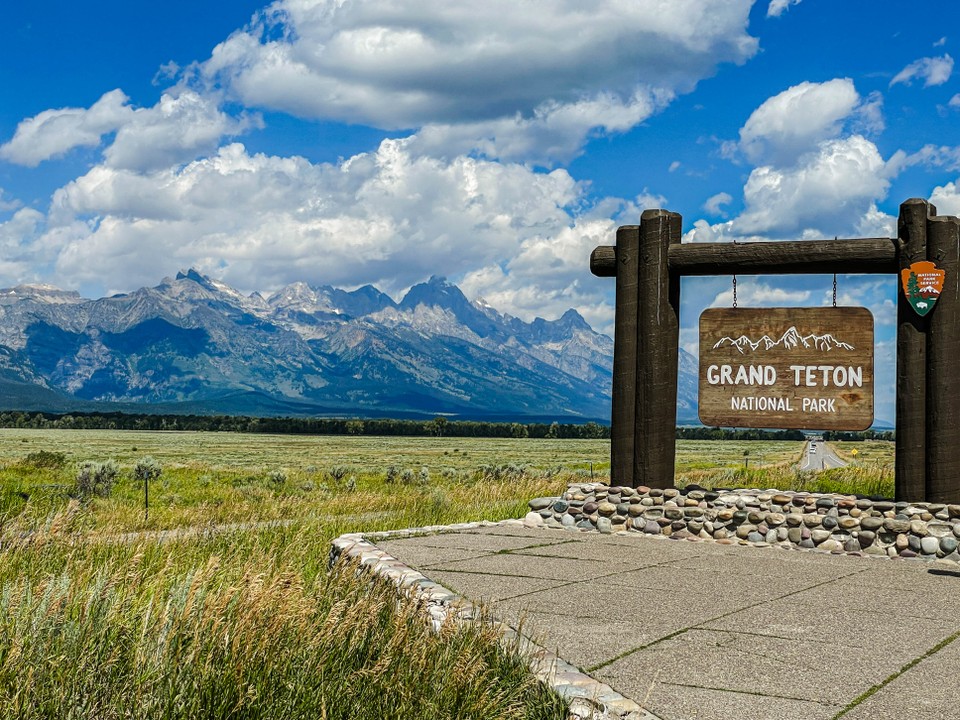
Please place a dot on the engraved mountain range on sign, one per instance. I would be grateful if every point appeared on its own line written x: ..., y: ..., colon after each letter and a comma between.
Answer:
x: 789, y: 340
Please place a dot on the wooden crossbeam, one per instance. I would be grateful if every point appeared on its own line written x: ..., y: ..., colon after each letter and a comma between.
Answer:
x: 807, y: 257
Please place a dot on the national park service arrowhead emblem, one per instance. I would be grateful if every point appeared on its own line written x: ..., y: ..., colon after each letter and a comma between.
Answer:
x: 922, y: 283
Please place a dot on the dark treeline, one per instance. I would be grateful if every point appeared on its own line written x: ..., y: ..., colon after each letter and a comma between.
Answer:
x: 857, y: 436
x: 438, y: 426
x: 708, y: 433
x: 712, y: 433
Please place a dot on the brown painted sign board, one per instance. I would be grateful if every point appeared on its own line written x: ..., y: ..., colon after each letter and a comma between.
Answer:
x: 790, y: 368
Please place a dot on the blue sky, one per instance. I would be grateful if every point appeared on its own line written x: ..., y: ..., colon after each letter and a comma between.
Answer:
x: 383, y: 141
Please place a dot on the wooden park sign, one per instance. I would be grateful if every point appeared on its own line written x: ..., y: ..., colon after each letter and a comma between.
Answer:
x: 648, y: 262
x: 798, y: 368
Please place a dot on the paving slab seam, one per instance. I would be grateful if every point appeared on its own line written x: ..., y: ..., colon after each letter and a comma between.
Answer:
x: 744, y: 692
x: 589, y: 699
x: 568, y: 583
x: 700, y: 625
x: 886, y: 681
x: 741, y: 692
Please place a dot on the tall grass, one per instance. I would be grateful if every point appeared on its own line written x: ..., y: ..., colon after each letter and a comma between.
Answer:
x: 241, y: 625
x: 871, y: 480
x: 231, y: 612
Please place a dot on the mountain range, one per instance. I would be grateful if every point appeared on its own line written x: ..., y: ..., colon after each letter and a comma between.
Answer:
x: 193, y: 344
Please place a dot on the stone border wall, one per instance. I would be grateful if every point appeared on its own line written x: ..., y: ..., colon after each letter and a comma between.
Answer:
x: 832, y: 523
x: 588, y: 699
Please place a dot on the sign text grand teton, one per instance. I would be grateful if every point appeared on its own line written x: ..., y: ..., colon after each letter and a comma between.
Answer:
x: 803, y: 368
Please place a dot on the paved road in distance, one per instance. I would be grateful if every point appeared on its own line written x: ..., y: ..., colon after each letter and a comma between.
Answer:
x: 820, y: 456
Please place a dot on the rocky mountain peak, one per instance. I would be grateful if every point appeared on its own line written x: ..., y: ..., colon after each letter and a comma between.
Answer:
x: 196, y: 276
x: 439, y: 293
x: 572, y: 321
x: 299, y: 295
x: 563, y: 328
x: 434, y: 292
x: 39, y: 292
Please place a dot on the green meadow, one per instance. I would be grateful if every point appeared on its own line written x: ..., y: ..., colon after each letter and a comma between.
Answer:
x: 217, y: 601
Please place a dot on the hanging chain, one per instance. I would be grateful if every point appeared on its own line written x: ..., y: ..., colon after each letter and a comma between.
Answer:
x: 734, y: 283
x: 834, y: 284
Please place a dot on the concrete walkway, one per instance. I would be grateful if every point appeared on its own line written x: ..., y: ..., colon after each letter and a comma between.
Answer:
x: 705, y: 631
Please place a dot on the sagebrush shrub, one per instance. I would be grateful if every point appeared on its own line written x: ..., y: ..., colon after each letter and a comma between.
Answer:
x: 147, y: 469
x: 46, y: 459
x: 96, y: 478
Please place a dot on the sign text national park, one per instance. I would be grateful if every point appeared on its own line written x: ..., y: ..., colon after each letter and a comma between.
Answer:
x: 803, y: 368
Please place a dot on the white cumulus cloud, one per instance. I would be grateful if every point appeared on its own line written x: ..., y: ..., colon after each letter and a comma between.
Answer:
x: 832, y: 190
x: 932, y: 70
x: 797, y: 119
x: 554, y: 131
x: 499, y: 70
x: 946, y: 198
x: 19, y: 249
x: 54, y: 132
x: 776, y: 8
x: 814, y: 174
x: 550, y: 274
x: 179, y: 128
x: 759, y: 294
x: 828, y: 190
x: 714, y: 204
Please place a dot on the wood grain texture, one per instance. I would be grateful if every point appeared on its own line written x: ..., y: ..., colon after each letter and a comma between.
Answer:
x: 868, y: 255
x: 623, y: 410
x: 658, y: 345
x: 943, y: 379
x: 910, y: 461
x: 791, y: 368
x: 603, y: 260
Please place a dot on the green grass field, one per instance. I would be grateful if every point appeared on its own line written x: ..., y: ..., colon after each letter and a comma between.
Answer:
x: 233, y: 614
x: 258, y: 452
x: 99, y: 619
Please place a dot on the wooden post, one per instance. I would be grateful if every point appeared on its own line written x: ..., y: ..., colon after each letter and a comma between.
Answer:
x: 911, y: 361
x: 943, y: 378
x: 658, y: 345
x: 623, y: 412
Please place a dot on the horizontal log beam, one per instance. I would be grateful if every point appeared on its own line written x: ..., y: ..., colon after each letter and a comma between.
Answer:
x: 808, y: 257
